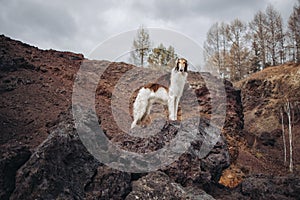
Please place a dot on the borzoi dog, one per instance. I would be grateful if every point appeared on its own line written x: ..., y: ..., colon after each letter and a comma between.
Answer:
x: 151, y: 93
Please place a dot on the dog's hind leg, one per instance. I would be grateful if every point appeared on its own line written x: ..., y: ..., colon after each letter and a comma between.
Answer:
x: 140, y: 106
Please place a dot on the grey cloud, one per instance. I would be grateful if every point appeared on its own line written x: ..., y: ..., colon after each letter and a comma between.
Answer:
x: 182, y: 10
x: 37, y: 20
x: 80, y: 25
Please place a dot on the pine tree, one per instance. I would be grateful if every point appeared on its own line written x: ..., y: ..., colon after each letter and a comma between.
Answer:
x: 161, y: 57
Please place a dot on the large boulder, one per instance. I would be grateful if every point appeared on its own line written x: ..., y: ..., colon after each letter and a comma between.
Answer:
x: 61, y: 168
x: 157, y: 185
x: 190, y: 168
x: 267, y: 187
x: 11, y: 160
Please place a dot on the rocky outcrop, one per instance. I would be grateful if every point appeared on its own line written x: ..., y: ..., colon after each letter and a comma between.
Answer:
x: 190, y: 169
x: 207, y: 87
x: 61, y: 168
x: 208, y: 97
x: 221, y: 94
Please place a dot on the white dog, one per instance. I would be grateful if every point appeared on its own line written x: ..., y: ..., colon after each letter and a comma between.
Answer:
x: 151, y: 93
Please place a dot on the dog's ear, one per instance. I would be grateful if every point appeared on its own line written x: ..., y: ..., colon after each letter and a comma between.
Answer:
x: 177, y: 64
x: 185, y: 66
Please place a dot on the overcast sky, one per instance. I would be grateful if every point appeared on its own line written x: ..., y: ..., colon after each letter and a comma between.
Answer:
x: 79, y: 26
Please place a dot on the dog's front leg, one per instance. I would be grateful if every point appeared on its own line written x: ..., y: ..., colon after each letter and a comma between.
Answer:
x: 177, y: 99
x: 171, y: 107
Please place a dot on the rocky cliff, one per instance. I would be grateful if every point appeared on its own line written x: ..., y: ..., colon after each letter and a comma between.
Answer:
x: 43, y: 157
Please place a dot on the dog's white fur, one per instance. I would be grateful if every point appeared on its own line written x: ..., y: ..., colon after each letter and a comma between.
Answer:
x: 151, y: 93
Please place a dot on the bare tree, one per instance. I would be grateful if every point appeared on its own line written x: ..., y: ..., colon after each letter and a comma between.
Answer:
x: 281, y: 40
x: 274, y: 34
x: 239, y: 53
x: 217, y: 49
x: 259, y: 34
x: 294, y: 33
x: 212, y: 47
x: 237, y: 50
x: 224, y: 49
x: 141, y: 47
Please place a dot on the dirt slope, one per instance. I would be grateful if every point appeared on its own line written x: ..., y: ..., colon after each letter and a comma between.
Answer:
x: 263, y: 95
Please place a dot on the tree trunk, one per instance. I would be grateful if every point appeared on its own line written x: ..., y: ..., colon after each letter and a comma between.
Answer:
x: 283, y: 138
x: 288, y: 111
x: 142, y: 59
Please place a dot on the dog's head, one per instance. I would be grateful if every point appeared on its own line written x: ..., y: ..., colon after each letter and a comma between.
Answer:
x: 181, y: 65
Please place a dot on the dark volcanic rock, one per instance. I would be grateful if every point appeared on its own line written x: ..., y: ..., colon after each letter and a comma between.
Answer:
x: 190, y: 168
x: 263, y: 187
x: 108, y: 183
x: 61, y: 168
x: 208, y: 87
x: 157, y: 185
x: 10, y: 162
x: 266, y: 187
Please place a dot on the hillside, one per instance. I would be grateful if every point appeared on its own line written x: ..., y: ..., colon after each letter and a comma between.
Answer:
x: 43, y: 156
x: 263, y: 95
